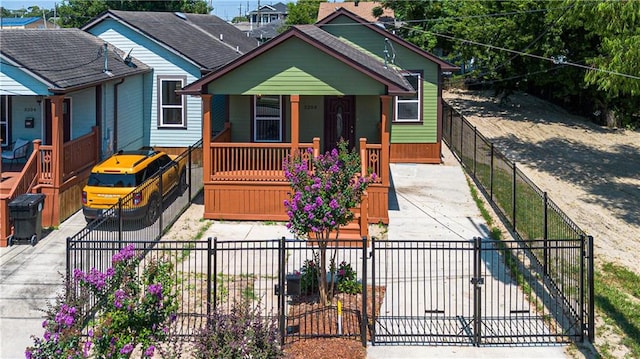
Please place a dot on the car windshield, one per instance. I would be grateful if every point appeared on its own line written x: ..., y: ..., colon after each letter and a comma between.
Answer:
x: 113, y: 180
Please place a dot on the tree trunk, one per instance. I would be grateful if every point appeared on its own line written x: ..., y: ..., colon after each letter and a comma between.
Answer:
x: 611, y: 119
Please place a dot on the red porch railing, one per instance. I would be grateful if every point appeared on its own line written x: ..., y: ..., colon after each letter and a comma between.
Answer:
x: 26, y: 180
x: 252, y: 161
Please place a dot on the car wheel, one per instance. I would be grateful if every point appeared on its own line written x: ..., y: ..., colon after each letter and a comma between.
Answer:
x: 88, y: 220
x: 153, y: 210
x: 182, y: 185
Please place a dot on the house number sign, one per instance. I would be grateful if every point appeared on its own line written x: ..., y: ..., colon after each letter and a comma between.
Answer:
x: 310, y: 107
x: 30, y: 109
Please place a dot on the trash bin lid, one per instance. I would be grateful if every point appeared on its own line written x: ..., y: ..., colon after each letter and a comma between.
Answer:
x: 27, y: 200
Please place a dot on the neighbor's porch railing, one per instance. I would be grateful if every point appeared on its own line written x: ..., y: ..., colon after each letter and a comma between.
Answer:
x: 77, y: 155
x: 27, y: 179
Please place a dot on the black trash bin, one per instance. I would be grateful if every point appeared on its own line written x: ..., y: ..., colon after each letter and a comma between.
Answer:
x: 26, y: 212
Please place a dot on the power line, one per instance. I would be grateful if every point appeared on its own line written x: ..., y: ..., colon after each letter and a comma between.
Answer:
x: 551, y: 59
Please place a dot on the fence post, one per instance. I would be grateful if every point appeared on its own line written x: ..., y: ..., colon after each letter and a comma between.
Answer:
x: 545, y: 235
x: 373, y: 291
x: 364, y: 321
x: 477, y: 291
x: 209, y: 254
x: 475, y: 149
x: 190, y: 168
x: 281, y: 292
x: 513, y: 197
x: 461, y: 142
x: 581, y: 318
x: 591, y: 322
x: 68, y: 260
x: 451, y: 127
x: 215, y: 274
x: 491, y: 175
x: 120, y: 223
x: 161, y: 209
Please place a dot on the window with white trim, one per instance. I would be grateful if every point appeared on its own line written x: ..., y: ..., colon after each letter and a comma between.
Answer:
x: 409, y: 108
x: 267, y: 118
x: 171, y: 106
x: 4, y: 120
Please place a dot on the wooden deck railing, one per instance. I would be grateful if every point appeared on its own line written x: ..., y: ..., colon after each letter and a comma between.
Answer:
x: 78, y: 155
x: 252, y: 161
x: 373, y: 160
x: 27, y: 179
x: 224, y: 135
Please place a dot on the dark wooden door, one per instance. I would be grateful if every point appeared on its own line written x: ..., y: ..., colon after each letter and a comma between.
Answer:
x: 66, y: 119
x: 339, y: 121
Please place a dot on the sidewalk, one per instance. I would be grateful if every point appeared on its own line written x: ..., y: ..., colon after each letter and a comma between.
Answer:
x: 30, y: 277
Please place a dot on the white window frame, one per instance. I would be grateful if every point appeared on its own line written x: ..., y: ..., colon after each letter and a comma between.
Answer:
x: 417, y: 100
x: 4, y: 120
x: 161, y: 106
x: 256, y: 118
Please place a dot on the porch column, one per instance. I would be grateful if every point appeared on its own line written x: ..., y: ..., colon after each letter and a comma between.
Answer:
x: 385, y: 138
x: 57, y: 139
x: 295, y: 123
x: 206, y: 136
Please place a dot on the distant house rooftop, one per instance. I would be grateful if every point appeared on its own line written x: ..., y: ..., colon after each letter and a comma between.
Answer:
x: 24, y: 23
x: 360, y: 8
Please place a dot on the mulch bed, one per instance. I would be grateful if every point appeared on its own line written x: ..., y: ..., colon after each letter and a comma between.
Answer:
x: 313, y: 328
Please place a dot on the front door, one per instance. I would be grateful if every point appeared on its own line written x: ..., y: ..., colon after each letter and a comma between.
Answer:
x: 48, y: 119
x: 339, y: 121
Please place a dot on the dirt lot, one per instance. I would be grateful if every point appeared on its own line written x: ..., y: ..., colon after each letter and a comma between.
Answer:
x: 591, y: 172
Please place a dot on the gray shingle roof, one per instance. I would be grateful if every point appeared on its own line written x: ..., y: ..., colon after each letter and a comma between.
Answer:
x: 358, y: 57
x: 66, y: 58
x: 194, y: 36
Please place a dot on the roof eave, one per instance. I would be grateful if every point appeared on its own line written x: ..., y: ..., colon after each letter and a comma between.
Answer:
x: 63, y: 90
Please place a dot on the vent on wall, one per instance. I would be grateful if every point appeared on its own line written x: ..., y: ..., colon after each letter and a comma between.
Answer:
x: 180, y: 15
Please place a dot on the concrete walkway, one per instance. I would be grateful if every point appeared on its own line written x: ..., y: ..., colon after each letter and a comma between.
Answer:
x: 430, y: 202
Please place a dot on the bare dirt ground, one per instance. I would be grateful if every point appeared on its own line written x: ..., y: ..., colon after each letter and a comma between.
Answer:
x: 591, y: 172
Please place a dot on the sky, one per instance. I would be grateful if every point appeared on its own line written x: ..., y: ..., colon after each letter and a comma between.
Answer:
x: 226, y: 9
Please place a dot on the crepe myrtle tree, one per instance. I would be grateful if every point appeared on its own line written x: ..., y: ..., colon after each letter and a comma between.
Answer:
x: 324, y: 189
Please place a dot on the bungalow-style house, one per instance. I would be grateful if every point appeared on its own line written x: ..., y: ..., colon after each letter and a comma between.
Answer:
x: 63, y: 92
x: 307, y: 88
x: 179, y: 48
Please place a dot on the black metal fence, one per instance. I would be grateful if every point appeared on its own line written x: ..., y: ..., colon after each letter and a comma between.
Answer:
x: 475, y: 292
x: 528, y: 211
x: 162, y: 210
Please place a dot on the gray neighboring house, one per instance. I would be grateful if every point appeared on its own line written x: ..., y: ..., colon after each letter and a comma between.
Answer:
x: 180, y: 48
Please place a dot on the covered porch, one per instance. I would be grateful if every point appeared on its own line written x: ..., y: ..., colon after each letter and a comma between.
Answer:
x: 58, y: 170
x: 244, y: 180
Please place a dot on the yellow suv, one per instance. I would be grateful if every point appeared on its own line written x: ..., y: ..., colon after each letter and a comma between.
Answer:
x: 134, y: 172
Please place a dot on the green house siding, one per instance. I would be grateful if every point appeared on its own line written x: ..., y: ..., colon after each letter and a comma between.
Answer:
x: 374, y: 43
x: 240, y: 112
x: 368, y: 118
x: 311, y: 118
x: 295, y: 67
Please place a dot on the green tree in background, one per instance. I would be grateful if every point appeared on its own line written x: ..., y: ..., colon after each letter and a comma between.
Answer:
x: 302, y: 12
x: 75, y: 13
x: 583, y: 55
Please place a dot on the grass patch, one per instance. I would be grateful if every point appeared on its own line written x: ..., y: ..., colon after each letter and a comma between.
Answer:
x: 617, y: 297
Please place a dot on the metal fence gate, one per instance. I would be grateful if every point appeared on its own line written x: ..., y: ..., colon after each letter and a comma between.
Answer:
x: 477, y: 292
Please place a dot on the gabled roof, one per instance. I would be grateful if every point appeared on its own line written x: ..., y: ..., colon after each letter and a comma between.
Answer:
x: 18, y: 21
x: 205, y: 40
x: 444, y: 65
x: 64, y: 59
x: 323, y: 41
x: 361, y: 9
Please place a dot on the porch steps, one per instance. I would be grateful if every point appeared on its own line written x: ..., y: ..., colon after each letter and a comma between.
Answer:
x: 350, y: 235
